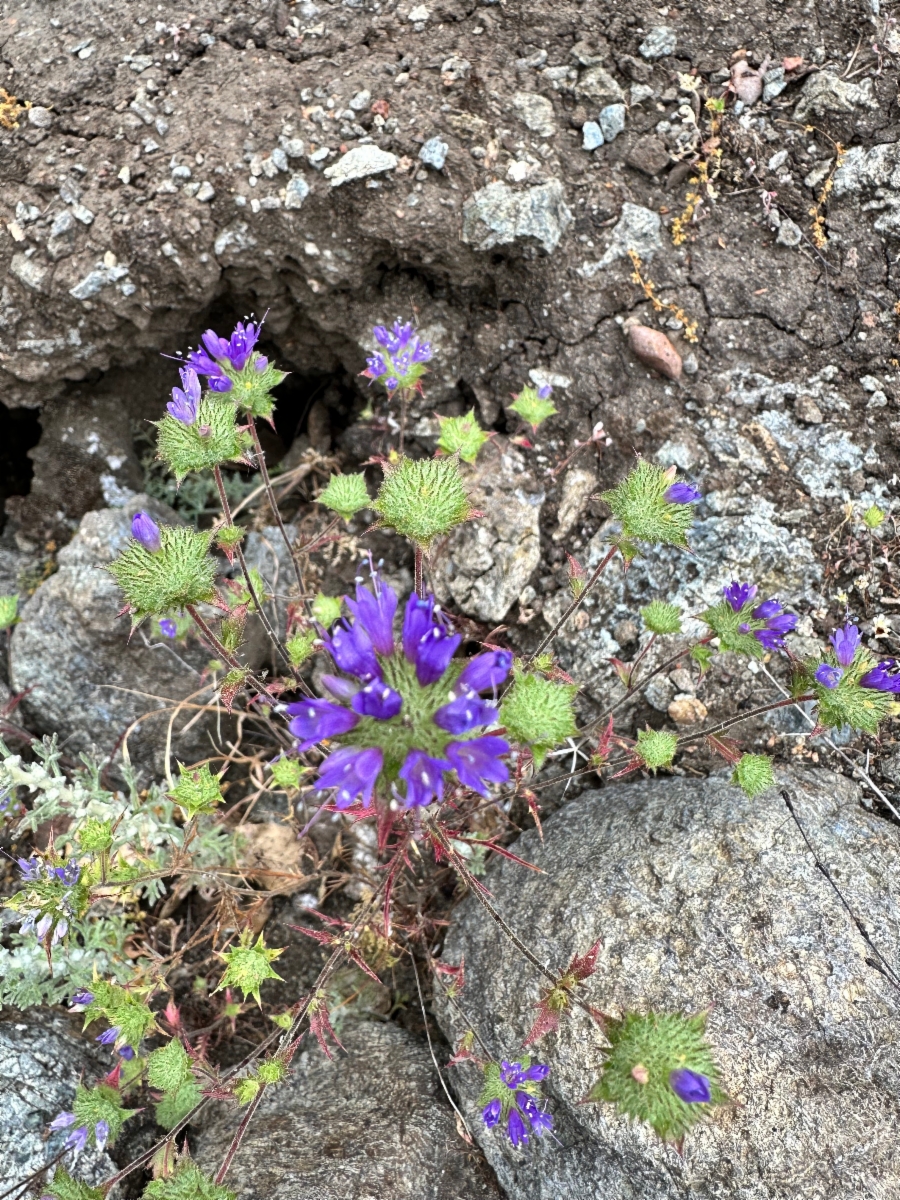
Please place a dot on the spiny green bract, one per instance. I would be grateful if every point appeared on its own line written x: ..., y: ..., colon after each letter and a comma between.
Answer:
x: 847, y: 704
x: 124, y: 1009
x: 346, y: 495
x: 639, y: 503
x: 250, y: 388
x: 422, y: 498
x: 64, y: 1187
x: 326, y: 609
x: 286, y: 774
x: 213, y: 439
x: 660, y: 617
x: 169, y: 1067
x: 94, y: 835
x: 654, y: 1046
x: 753, y: 774
x: 175, y: 1106
x: 247, y: 966
x: 462, y: 436
x: 273, y: 1070
x: 9, y: 611
x: 656, y: 748
x: 229, y: 536
x: 101, y: 1103
x: 197, y: 790
x: 188, y: 1183
x: 181, y: 572
x: 873, y: 517
x: 726, y: 625
x: 300, y: 646
x: 532, y: 408
x: 539, y: 713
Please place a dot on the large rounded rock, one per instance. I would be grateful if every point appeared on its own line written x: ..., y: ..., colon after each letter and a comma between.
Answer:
x: 703, y: 899
x: 41, y: 1062
x: 371, y: 1124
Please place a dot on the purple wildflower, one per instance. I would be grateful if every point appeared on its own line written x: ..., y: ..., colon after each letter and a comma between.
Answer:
x: 514, y: 1074
x: 201, y: 362
x: 885, y: 677
x: 690, y: 1087
x: 108, y: 1036
x: 739, y: 594
x: 490, y: 1114
x: 168, y: 628
x: 183, y: 405
x: 341, y: 689
x: 260, y: 363
x: 82, y: 997
x: 69, y: 873
x: 828, y: 675
x: 353, y: 772
x: 43, y: 926
x: 477, y: 762
x: 545, y: 391
x: 401, y: 353
x: 515, y: 1127
x: 101, y: 1134
x: 464, y: 713
x: 236, y: 350
x: 682, y: 493
x: 63, y: 1120
x: 77, y: 1139
x: 541, y: 1122
x: 126, y: 1052
x: 845, y: 642
x: 351, y: 648
x: 768, y: 608
x: 377, y: 700
x: 376, y: 614
x: 146, y: 531
x: 424, y: 778
x: 486, y: 670
x: 30, y: 868
x: 433, y: 653
x: 315, y: 720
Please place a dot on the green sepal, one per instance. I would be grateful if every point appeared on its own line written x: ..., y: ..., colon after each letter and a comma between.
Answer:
x: 64, y: 1187
x: 9, y: 611
x: 655, y: 1045
x: 662, y: 618
x: 181, y: 572
x: 422, y: 498
x: 229, y: 536
x: 539, y: 713
x: 213, y: 440
x: 656, y: 748
x: 169, y: 1067
x: 124, y: 1009
x: 246, y: 1089
x: 272, y: 1070
x: 251, y: 388
x: 175, y: 1106
x: 248, y: 966
x: 198, y: 790
x: 531, y: 408
x: 462, y: 436
x: 282, y: 1020
x: 326, y: 609
x: 101, y: 1103
x: 187, y: 1183
x: 703, y: 655
x: 646, y: 516
x: 346, y: 495
x: 287, y: 773
x: 753, y: 774
x: 301, y: 645
x: 725, y: 624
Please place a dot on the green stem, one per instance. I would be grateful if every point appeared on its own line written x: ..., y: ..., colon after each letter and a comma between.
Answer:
x: 273, y: 503
x: 576, y: 603
x: 419, y: 572
x: 217, y: 648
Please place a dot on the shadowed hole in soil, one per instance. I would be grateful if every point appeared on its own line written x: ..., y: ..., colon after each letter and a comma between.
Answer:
x: 20, y: 430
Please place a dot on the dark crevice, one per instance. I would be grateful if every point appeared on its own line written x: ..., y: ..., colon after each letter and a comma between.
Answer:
x: 20, y: 430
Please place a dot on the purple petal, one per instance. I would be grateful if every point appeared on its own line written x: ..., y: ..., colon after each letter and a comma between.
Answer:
x: 537, y: 1072
x: 739, y: 594
x: 77, y: 1139
x: 433, y: 653
x: 828, y: 675
x: 846, y: 642
x: 477, y: 762
x: 82, y: 997
x: 101, y: 1134
x: 682, y: 493
x: 352, y: 650
x: 885, y: 677
x: 126, y: 1052
x: 108, y: 1036
x: 146, y: 531
x: 353, y: 772
x: 341, y: 689
x: 515, y: 1127
x: 418, y: 618
x: 168, y: 628
x: 424, y: 778
x: 768, y: 608
x: 377, y: 700
x: 486, y: 670
x: 545, y: 392
x: 63, y: 1121
x: 690, y: 1087
x: 490, y: 1114
x: 375, y: 613
x: 315, y: 720
x: 466, y: 712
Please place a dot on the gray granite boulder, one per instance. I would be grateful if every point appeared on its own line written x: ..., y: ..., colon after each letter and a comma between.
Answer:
x: 703, y: 900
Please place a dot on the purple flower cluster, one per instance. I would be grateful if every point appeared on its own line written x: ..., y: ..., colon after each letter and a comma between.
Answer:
x: 77, y: 1139
x: 845, y: 642
x: 690, y: 1086
x: 361, y: 648
x: 523, y: 1110
x: 401, y: 352
x: 42, y: 922
x: 183, y: 405
x: 778, y: 623
x: 218, y: 355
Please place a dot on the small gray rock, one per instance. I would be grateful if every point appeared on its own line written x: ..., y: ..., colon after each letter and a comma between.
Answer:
x: 612, y: 121
x: 824, y: 93
x: 29, y: 270
x: 774, y: 84
x: 591, y: 136
x: 598, y: 87
x: 498, y: 215
x: 294, y: 147
x: 279, y: 158
x: 96, y: 280
x: 434, y: 153
x: 360, y: 162
x: 296, y: 192
x: 637, y: 229
x: 659, y: 42
x: 361, y: 101
x: 536, y: 111
x: 40, y: 117
x: 789, y: 233
x: 206, y: 192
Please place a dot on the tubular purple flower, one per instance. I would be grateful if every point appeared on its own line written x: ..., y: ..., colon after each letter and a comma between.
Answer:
x: 545, y: 391
x: 511, y: 1073
x: 846, y: 641
x: 183, y: 405
x: 101, y: 1134
x: 315, y: 720
x: 236, y: 351
x: 769, y: 639
x: 377, y: 365
x: 392, y: 383
x: 690, y: 1087
x: 126, y: 1052
x: 682, y: 493
x: 204, y: 365
x: 424, y: 778
x: 377, y: 700
x: 168, y: 628
x: 82, y: 997
x: 768, y: 608
x: 477, y: 762
x: 352, y: 650
x: 486, y: 670
x: 341, y: 689
x: 375, y: 613
x: 108, y: 1036
x: 382, y: 336
x: 536, y: 1073
x: 30, y: 868
x: 433, y: 653
x: 515, y: 1127
x: 466, y: 712
x: 490, y: 1114
x: 541, y: 1122
x: 43, y: 927
x: 146, y: 531
x: 418, y: 618
x: 739, y: 594
x: 782, y: 624
x: 68, y: 874
x: 63, y: 1120
x: 60, y: 931
x: 353, y: 772
x: 827, y: 675
x: 260, y: 363
x: 77, y: 1139
x: 885, y: 677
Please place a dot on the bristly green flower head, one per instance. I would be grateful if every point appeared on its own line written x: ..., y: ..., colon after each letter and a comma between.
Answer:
x: 301, y: 646
x: 649, y: 504
x: 248, y: 966
x: 252, y: 387
x: 211, y: 441
x: 64, y: 1187
x: 179, y: 573
x: 229, y: 536
x: 9, y: 611
x: 539, y: 713
x: 462, y: 436
x: 873, y: 517
x: 648, y: 1058
x: 662, y: 618
x: 169, y: 1067
x: 534, y: 405
x: 656, y: 748
x: 753, y: 774
x: 197, y: 790
x: 101, y: 1103
x: 124, y: 1009
x: 287, y: 773
x: 94, y: 835
x: 422, y: 498
x: 326, y: 609
x: 850, y: 685
x: 187, y: 1183
x: 346, y: 495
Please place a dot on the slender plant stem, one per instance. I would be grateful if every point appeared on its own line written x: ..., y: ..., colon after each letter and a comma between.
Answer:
x: 239, y: 1136
x: 437, y: 1066
x: 419, y: 572
x: 576, y: 603
x: 273, y: 503
x: 404, y: 405
x: 633, y: 688
x: 220, y: 650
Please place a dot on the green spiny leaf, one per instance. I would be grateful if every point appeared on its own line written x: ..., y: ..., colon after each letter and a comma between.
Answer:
x: 753, y: 774
x: 251, y: 388
x: 301, y: 646
x: 101, y: 1103
x: 229, y: 536
x: 539, y: 713
x: 662, y: 618
x: 462, y: 436
x: 656, y: 748
x: 175, y: 1106
x: 197, y: 790
x: 188, y: 1183
x: 181, y: 572
x: 532, y: 408
x: 639, y: 503
x: 95, y: 836
x: 248, y: 966
x: 64, y: 1187
x: 212, y: 440
x: 422, y: 498
x: 872, y: 518
x: 246, y: 1089
x: 169, y: 1067
x: 273, y: 1070
x: 346, y: 495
